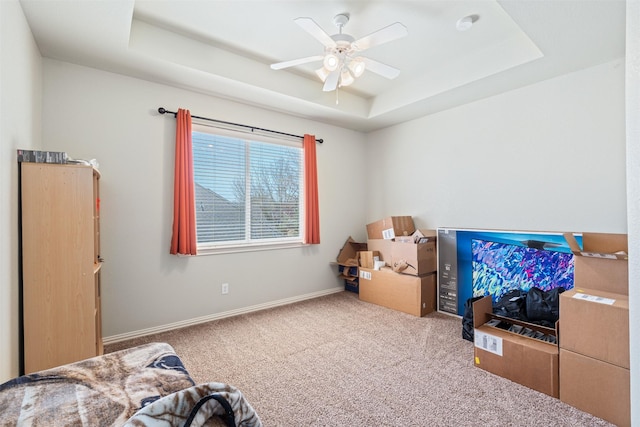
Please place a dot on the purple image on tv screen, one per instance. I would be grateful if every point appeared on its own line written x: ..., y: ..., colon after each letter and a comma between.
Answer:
x: 501, y: 267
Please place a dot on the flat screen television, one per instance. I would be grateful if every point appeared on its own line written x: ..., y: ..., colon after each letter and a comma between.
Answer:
x: 498, y: 267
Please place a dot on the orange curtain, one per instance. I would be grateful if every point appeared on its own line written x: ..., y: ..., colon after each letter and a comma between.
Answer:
x: 311, y: 208
x: 183, y: 240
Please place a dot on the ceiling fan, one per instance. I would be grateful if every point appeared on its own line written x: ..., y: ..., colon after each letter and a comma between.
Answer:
x: 341, y: 61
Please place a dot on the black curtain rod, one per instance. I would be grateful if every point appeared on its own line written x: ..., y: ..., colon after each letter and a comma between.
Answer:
x: 175, y: 114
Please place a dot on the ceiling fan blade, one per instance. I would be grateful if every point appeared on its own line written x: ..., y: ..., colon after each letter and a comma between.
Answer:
x: 332, y: 81
x: 310, y: 26
x: 293, y: 62
x: 382, y: 69
x: 389, y: 33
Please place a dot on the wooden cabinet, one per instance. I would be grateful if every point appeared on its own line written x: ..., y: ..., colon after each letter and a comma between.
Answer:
x: 60, y: 232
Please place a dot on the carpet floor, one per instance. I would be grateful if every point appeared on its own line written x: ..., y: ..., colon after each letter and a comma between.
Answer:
x: 338, y: 361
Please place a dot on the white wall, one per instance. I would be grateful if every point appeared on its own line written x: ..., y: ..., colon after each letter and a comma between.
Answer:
x: 550, y: 156
x: 95, y: 114
x: 633, y: 195
x: 20, y: 87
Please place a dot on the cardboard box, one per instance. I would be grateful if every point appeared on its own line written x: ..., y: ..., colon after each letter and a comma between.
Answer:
x: 602, y: 262
x: 414, y: 295
x: 351, y: 283
x: 383, y: 247
x: 596, y: 324
x: 423, y: 235
x: 596, y: 387
x: 348, y: 272
x: 389, y: 228
x: 407, y: 258
x: 348, y: 255
x: 527, y: 361
x: 367, y: 258
x: 414, y: 258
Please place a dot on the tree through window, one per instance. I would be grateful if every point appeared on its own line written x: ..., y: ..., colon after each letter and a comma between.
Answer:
x: 247, y: 191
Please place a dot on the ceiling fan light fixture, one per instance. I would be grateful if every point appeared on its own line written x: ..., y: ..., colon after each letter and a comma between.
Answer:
x: 346, y: 78
x: 357, y: 67
x: 323, y: 73
x: 331, y: 62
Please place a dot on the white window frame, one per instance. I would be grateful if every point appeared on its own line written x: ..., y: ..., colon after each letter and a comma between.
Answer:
x: 210, y: 248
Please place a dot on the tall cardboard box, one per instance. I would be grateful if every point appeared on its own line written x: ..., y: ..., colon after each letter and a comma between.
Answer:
x: 602, y: 262
x: 390, y: 227
x: 527, y: 361
x: 595, y: 324
x: 414, y: 295
x: 596, y: 387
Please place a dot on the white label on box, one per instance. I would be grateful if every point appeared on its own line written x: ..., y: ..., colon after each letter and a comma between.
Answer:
x: 488, y: 342
x: 388, y: 234
x: 598, y: 255
x: 594, y: 298
x: 365, y: 275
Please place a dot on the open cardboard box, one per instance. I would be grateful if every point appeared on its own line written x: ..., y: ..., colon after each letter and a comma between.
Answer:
x: 602, y: 261
x: 528, y: 361
x: 412, y: 258
x: 349, y: 254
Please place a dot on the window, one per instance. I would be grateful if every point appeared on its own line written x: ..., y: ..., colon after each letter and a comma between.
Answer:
x: 248, y: 190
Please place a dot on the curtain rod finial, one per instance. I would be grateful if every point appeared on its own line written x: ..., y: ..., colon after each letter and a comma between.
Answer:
x: 161, y: 110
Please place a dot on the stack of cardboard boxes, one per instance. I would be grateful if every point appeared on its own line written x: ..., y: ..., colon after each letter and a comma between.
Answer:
x: 594, y: 329
x: 399, y: 266
x: 583, y: 360
x: 587, y: 366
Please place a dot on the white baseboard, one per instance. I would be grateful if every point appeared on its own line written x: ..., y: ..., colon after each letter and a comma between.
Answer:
x: 177, y: 325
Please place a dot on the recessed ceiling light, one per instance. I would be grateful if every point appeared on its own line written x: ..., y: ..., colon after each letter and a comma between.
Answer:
x: 465, y: 23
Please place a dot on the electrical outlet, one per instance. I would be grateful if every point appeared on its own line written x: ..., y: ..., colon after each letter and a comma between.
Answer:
x: 225, y: 288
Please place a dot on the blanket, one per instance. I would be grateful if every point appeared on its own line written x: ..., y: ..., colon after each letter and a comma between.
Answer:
x: 102, y: 391
x: 211, y: 404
